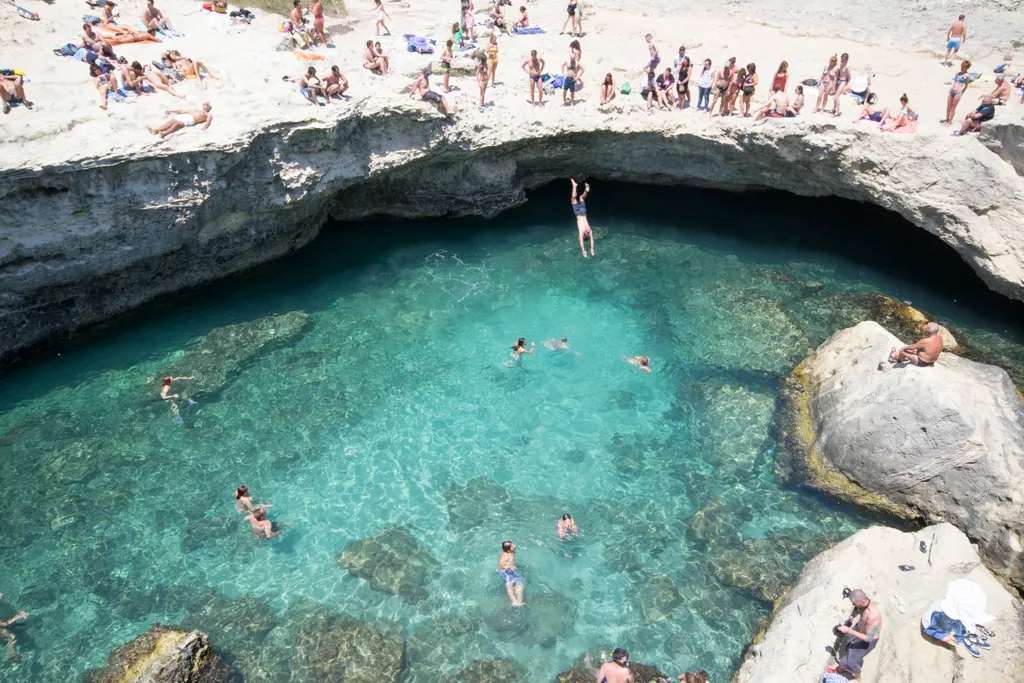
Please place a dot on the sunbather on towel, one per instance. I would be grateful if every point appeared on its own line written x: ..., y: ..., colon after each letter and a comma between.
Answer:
x: 183, y: 118
x: 154, y: 19
x: 421, y: 88
x: 13, y: 87
x: 105, y: 83
x: 154, y: 78
x: 91, y: 41
x: 186, y: 67
x: 524, y: 18
x: 310, y: 86
x: 121, y: 35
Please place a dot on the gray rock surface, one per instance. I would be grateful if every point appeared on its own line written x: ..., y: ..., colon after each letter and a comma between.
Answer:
x: 792, y: 649
x: 394, y: 562
x: 164, y: 655
x: 943, y: 443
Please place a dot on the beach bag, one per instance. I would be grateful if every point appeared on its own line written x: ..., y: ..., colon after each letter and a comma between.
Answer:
x: 626, y: 90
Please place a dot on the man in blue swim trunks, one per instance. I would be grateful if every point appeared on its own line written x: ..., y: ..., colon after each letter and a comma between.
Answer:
x: 579, y: 207
x: 955, y: 37
x: 514, y: 582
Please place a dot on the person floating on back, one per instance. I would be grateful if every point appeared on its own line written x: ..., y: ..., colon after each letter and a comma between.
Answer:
x: 579, y: 208
x: 514, y: 582
x: 924, y: 353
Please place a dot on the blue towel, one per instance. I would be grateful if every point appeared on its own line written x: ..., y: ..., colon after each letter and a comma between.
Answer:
x: 556, y: 82
x: 942, y: 625
x: 419, y: 44
x: 527, y: 31
x: 90, y: 19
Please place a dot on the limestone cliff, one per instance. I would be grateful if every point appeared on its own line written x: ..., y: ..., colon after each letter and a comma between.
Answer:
x: 92, y: 238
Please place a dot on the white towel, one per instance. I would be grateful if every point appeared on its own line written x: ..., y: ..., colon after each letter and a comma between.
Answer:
x: 965, y: 600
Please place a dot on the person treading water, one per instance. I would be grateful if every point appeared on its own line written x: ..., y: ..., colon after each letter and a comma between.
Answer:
x: 243, y: 500
x: 262, y: 528
x: 519, y: 348
x: 579, y: 208
x: 165, y: 392
x: 514, y: 582
x: 567, y: 528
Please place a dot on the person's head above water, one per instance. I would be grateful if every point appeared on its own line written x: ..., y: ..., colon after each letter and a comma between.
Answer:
x: 644, y: 360
x: 508, y: 547
x: 566, y: 517
x: 620, y: 657
x: 168, y: 381
x: 242, y: 491
x: 259, y: 514
x: 565, y: 340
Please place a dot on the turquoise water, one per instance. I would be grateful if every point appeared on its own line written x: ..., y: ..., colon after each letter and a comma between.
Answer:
x: 398, y: 406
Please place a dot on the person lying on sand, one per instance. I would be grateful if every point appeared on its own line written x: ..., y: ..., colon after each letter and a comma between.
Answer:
x: 310, y: 87
x: 186, y: 67
x: 777, y: 106
x: 154, y: 19
x: 888, y: 119
x: 335, y: 84
x: 924, y: 353
x: 13, y: 87
x: 136, y: 76
x: 372, y: 61
x: 91, y: 41
x: 183, y: 118
x: 421, y: 88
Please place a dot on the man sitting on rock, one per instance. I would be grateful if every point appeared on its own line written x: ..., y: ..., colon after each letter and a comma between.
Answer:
x: 924, y: 353
x: 859, y: 640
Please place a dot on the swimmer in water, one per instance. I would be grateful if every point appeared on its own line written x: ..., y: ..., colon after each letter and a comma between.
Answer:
x: 642, y: 362
x: 579, y: 207
x: 567, y: 527
x: 559, y: 345
x: 514, y: 582
x: 520, y: 348
x: 12, y: 640
x: 165, y: 392
x: 243, y: 500
x: 262, y: 528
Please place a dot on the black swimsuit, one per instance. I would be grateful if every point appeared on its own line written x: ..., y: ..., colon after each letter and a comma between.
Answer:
x: 683, y: 73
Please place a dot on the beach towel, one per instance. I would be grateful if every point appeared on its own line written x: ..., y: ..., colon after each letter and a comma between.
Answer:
x: 308, y: 56
x: 527, y: 30
x: 908, y: 129
x: 90, y: 19
x: 117, y: 35
x: 163, y: 33
x: 418, y: 44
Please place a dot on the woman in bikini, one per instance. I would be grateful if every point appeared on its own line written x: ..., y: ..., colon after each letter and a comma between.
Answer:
x: 446, y: 63
x: 534, y: 67
x: 243, y: 500
x: 747, y: 87
x: 519, y: 348
x: 104, y: 84
x: 372, y: 61
x: 902, y: 117
x: 607, y: 89
x: 733, y: 92
x: 960, y: 83
x: 570, y: 18
x: 798, y: 101
x: 482, y: 74
x: 722, y: 80
x: 825, y: 83
x: 492, y: 58
x: 187, y: 67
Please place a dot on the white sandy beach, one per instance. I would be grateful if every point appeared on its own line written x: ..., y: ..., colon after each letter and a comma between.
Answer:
x: 250, y: 95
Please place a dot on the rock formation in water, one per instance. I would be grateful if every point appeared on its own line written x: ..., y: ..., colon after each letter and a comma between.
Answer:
x: 942, y: 443
x: 394, y: 562
x: 792, y: 649
x: 195, y: 216
x: 490, y: 671
x: 164, y: 654
x: 218, y: 357
x: 337, y: 647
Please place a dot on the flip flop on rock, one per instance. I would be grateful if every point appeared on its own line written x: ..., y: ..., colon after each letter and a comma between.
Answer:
x: 984, y: 631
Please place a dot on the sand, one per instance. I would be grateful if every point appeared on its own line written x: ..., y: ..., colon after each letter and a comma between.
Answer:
x: 67, y: 126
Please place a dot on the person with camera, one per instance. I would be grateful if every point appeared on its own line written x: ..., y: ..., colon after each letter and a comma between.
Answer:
x: 855, y: 642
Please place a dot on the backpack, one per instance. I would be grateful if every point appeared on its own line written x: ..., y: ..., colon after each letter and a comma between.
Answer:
x: 68, y: 50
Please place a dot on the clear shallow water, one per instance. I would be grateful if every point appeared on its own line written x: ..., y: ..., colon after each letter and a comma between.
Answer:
x: 398, y: 406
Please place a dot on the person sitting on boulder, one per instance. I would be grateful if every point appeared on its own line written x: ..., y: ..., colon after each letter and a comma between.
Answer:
x: 924, y: 353
x: 860, y: 640
x: 972, y: 124
x: 615, y: 671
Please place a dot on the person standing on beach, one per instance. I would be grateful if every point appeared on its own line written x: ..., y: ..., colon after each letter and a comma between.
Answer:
x: 652, y: 49
x: 380, y: 13
x: 318, y: 22
x: 570, y: 18
x: 683, y: 68
x: 579, y: 208
x: 534, y: 67
x: 956, y: 91
x: 828, y: 77
x: 956, y: 36
x: 482, y: 74
x: 842, y: 82
x: 571, y: 72
x: 492, y: 58
x: 704, y: 85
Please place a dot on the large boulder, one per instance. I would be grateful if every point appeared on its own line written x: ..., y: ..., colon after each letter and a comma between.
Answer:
x: 792, y: 649
x: 222, y: 354
x: 164, y: 654
x: 394, y: 562
x: 942, y: 443
x: 489, y: 671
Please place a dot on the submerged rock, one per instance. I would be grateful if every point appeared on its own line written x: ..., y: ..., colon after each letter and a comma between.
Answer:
x: 763, y: 567
x: 792, y: 649
x: 546, y: 617
x: 164, y: 654
x: 479, y: 500
x: 336, y: 647
x: 489, y: 671
x: 222, y: 354
x: 733, y: 424
x: 943, y: 443
x: 394, y: 562
x: 657, y: 597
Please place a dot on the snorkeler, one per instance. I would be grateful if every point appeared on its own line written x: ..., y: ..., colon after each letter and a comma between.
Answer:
x: 567, y: 527
x: 579, y: 207
x: 262, y: 528
x: 615, y: 671
x: 165, y: 392
x: 243, y: 500
x: 519, y: 348
x: 514, y: 582
x: 642, y: 362
x: 561, y: 344
x: 11, y: 638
